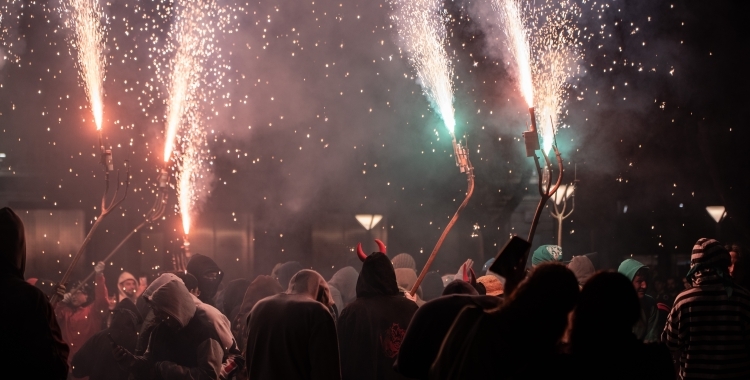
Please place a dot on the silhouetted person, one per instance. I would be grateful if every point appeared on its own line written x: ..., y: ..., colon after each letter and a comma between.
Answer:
x: 646, y: 327
x: 209, y: 277
x: 372, y: 327
x: 31, y: 337
x: 708, y: 328
x: 260, y: 288
x: 602, y: 342
x: 505, y: 343
x: 283, y: 273
x: 233, y: 294
x: 292, y: 335
x: 95, y: 358
x: 343, y: 287
x: 430, y: 325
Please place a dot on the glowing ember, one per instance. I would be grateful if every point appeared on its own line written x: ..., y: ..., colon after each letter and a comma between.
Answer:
x: 85, y: 19
x: 423, y: 33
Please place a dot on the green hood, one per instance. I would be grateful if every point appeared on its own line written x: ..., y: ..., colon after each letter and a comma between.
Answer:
x: 547, y: 253
x: 630, y: 267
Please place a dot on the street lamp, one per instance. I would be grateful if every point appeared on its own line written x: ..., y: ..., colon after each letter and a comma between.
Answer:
x: 560, y: 203
x: 368, y: 221
x: 718, y: 213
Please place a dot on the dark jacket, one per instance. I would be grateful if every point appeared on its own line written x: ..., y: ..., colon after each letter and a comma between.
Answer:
x: 95, y: 358
x: 260, y: 288
x: 28, y: 326
x: 291, y: 337
x: 198, y: 266
x: 429, y: 327
x: 196, y: 350
x: 372, y: 327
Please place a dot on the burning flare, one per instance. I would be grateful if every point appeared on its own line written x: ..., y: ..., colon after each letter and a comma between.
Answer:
x: 518, y: 44
x: 85, y: 19
x: 423, y: 33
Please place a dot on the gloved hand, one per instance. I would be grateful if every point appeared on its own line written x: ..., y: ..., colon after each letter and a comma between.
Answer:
x: 127, y: 360
x: 99, y: 267
x: 66, y: 297
x: 60, y: 290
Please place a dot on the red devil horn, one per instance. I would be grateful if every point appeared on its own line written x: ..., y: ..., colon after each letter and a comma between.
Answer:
x: 465, y: 275
x: 360, y: 252
x: 472, y: 276
x: 381, y: 246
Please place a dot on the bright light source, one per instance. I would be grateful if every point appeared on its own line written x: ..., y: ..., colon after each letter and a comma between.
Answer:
x: 368, y: 221
x: 717, y: 212
x: 563, y: 192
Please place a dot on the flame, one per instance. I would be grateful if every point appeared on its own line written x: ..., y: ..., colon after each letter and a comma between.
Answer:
x: 85, y: 20
x: 423, y: 34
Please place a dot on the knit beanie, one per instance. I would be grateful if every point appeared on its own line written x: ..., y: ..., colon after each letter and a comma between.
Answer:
x: 546, y: 253
x: 404, y: 260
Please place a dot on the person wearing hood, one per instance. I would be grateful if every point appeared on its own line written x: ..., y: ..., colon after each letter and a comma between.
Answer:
x: 292, y: 335
x: 209, y: 277
x: 583, y: 268
x: 29, y: 328
x: 372, y: 327
x: 637, y: 273
x: 283, y: 273
x: 190, y: 339
x: 80, y: 319
x: 546, y: 253
x: 260, y: 288
x: 709, y: 325
x: 95, y: 359
x: 404, y: 260
x: 233, y: 295
x: 431, y: 324
x: 343, y: 287
x: 127, y: 287
x: 406, y: 278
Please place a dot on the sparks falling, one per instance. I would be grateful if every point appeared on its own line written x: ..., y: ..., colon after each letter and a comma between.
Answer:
x: 543, y: 42
x: 193, y: 178
x: 84, y: 18
x: 422, y: 32
x: 518, y: 44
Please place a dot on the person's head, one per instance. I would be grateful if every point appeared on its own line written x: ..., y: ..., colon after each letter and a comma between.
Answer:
x: 546, y: 253
x: 127, y: 286
x: 191, y: 283
x: 659, y: 285
x: 12, y: 244
x: 606, y: 312
x: 459, y: 287
x: 582, y: 267
x: 492, y: 285
x: 404, y: 260
x: 637, y: 273
x: 671, y: 284
x: 78, y: 298
x: 284, y: 273
x: 170, y: 301
x: 312, y: 285
x: 709, y: 256
x: 207, y: 273
x: 377, y: 278
x: 734, y: 254
x: 541, y: 303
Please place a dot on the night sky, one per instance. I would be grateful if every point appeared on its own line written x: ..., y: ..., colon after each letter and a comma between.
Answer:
x: 316, y: 110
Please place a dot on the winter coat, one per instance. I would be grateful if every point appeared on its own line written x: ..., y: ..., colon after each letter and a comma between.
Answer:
x: 646, y: 327
x: 372, y: 328
x: 198, y: 266
x: 260, y: 288
x: 28, y: 325
x: 292, y: 336
x: 78, y: 324
x: 95, y: 358
x: 429, y: 327
x: 200, y: 347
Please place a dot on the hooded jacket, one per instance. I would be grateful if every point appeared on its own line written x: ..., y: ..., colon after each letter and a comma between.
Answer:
x: 260, y: 288
x: 292, y: 336
x: 28, y: 326
x: 583, y: 268
x: 646, y: 327
x: 430, y: 326
x: 121, y: 295
x: 95, y: 359
x: 372, y: 328
x: 197, y: 348
x: 198, y: 266
x: 343, y: 287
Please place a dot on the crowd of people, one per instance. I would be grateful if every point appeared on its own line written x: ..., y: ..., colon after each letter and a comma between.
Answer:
x: 566, y: 319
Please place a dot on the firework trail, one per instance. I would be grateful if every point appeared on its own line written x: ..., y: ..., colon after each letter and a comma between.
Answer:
x: 192, y: 41
x: 85, y: 18
x: 422, y: 32
x: 543, y: 41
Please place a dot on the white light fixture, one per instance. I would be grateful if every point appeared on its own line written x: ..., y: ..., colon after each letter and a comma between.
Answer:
x: 368, y: 221
x: 563, y: 192
x: 717, y: 212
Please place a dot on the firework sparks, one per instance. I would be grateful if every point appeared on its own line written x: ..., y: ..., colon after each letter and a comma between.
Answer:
x: 423, y: 33
x: 191, y: 43
x: 85, y: 19
x: 544, y: 45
